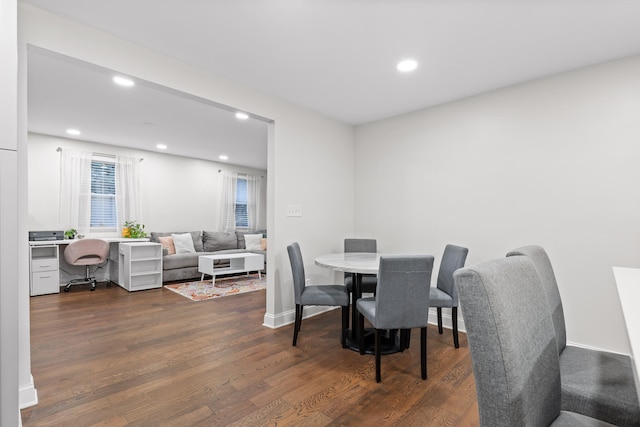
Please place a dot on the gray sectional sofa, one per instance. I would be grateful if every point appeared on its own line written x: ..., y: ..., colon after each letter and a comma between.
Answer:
x: 184, y: 266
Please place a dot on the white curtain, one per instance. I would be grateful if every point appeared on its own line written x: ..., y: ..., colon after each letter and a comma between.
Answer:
x: 254, y: 197
x: 255, y: 214
x: 127, y: 190
x: 228, y: 202
x: 75, y: 191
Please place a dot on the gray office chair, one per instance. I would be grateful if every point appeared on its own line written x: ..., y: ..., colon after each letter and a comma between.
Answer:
x: 446, y: 294
x: 87, y: 253
x: 594, y: 383
x: 331, y: 295
x: 513, y: 347
x: 369, y: 281
x: 401, y: 302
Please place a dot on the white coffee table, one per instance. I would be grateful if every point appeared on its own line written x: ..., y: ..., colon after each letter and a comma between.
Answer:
x: 243, y: 262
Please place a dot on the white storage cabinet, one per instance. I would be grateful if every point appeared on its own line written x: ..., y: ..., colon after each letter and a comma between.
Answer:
x: 140, y: 266
x: 45, y: 275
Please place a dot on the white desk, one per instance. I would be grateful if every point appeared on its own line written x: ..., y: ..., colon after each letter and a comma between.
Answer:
x: 45, y: 259
x: 628, y: 284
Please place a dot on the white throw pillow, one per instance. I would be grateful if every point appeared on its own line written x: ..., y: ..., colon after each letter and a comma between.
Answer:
x: 183, y: 243
x: 253, y: 242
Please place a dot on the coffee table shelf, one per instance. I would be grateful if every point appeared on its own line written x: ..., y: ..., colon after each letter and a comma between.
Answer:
x: 243, y: 262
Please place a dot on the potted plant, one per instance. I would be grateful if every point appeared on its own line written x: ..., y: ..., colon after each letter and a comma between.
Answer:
x: 70, y: 234
x: 133, y: 229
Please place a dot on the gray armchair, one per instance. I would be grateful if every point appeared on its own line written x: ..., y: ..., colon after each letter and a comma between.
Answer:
x: 446, y: 294
x: 513, y: 346
x: 330, y: 295
x: 594, y: 383
x: 401, y: 302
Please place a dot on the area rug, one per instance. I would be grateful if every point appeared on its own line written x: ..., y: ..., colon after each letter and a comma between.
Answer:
x: 205, y: 290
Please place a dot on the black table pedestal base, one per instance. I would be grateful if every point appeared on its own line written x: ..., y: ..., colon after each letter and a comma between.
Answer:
x: 390, y: 342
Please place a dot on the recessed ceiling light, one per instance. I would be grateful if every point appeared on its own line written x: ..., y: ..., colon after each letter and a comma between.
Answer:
x: 161, y: 146
x: 407, y: 65
x: 73, y: 131
x: 242, y: 116
x: 123, y: 81
x: 223, y: 157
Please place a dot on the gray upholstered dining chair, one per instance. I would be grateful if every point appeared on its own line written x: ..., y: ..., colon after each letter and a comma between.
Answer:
x: 368, y: 281
x: 401, y: 302
x: 445, y: 293
x: 594, y: 383
x: 513, y: 347
x: 86, y: 253
x: 329, y: 295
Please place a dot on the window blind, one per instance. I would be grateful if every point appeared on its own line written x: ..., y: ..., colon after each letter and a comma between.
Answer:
x: 242, y: 218
x: 103, y: 195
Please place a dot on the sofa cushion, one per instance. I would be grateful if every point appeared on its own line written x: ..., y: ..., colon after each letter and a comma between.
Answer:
x: 252, y: 242
x: 183, y: 243
x: 195, y: 236
x: 170, y: 262
x: 240, y: 235
x: 168, y: 248
x: 219, y: 241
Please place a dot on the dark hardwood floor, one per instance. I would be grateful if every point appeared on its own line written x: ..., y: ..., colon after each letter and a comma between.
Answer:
x: 154, y: 358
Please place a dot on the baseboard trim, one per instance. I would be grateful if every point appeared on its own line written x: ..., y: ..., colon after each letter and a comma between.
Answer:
x: 288, y: 317
x: 446, y: 319
x: 27, y: 394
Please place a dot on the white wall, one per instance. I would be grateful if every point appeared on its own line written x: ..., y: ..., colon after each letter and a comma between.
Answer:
x: 177, y: 193
x: 310, y: 157
x: 9, y: 289
x: 552, y: 162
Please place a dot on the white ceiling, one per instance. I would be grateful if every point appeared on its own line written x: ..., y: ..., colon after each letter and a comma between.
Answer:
x: 338, y: 57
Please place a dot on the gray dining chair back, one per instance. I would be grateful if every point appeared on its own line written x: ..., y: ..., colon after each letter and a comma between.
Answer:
x: 445, y: 294
x: 324, y: 295
x: 403, y: 292
x: 401, y: 302
x: 368, y: 282
x: 595, y: 383
x: 360, y: 245
x: 549, y: 284
x: 513, y: 349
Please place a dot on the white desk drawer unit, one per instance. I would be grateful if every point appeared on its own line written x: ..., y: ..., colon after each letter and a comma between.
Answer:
x: 45, y: 275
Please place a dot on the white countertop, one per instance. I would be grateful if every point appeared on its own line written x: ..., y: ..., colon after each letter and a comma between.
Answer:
x: 628, y: 284
x: 69, y: 241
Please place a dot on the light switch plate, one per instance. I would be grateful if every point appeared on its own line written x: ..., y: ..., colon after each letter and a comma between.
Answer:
x: 294, y: 210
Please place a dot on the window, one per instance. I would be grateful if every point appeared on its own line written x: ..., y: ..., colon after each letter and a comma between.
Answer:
x: 103, y: 195
x: 242, y: 218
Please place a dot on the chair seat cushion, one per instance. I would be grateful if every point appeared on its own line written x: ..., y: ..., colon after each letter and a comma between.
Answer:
x: 368, y: 283
x: 325, y: 295
x: 367, y: 307
x: 571, y: 419
x: 600, y: 385
x: 439, y: 298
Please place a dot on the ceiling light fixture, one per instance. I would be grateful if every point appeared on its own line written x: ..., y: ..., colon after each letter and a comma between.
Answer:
x: 407, y: 65
x: 242, y: 116
x: 223, y: 157
x: 123, y: 81
x: 161, y: 146
x: 73, y: 132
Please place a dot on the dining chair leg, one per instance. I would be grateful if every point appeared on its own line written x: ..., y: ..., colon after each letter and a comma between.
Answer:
x: 345, y: 326
x: 361, y: 333
x: 377, y: 350
x: 297, y: 323
x: 423, y: 352
x: 439, y: 310
x: 454, y: 321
